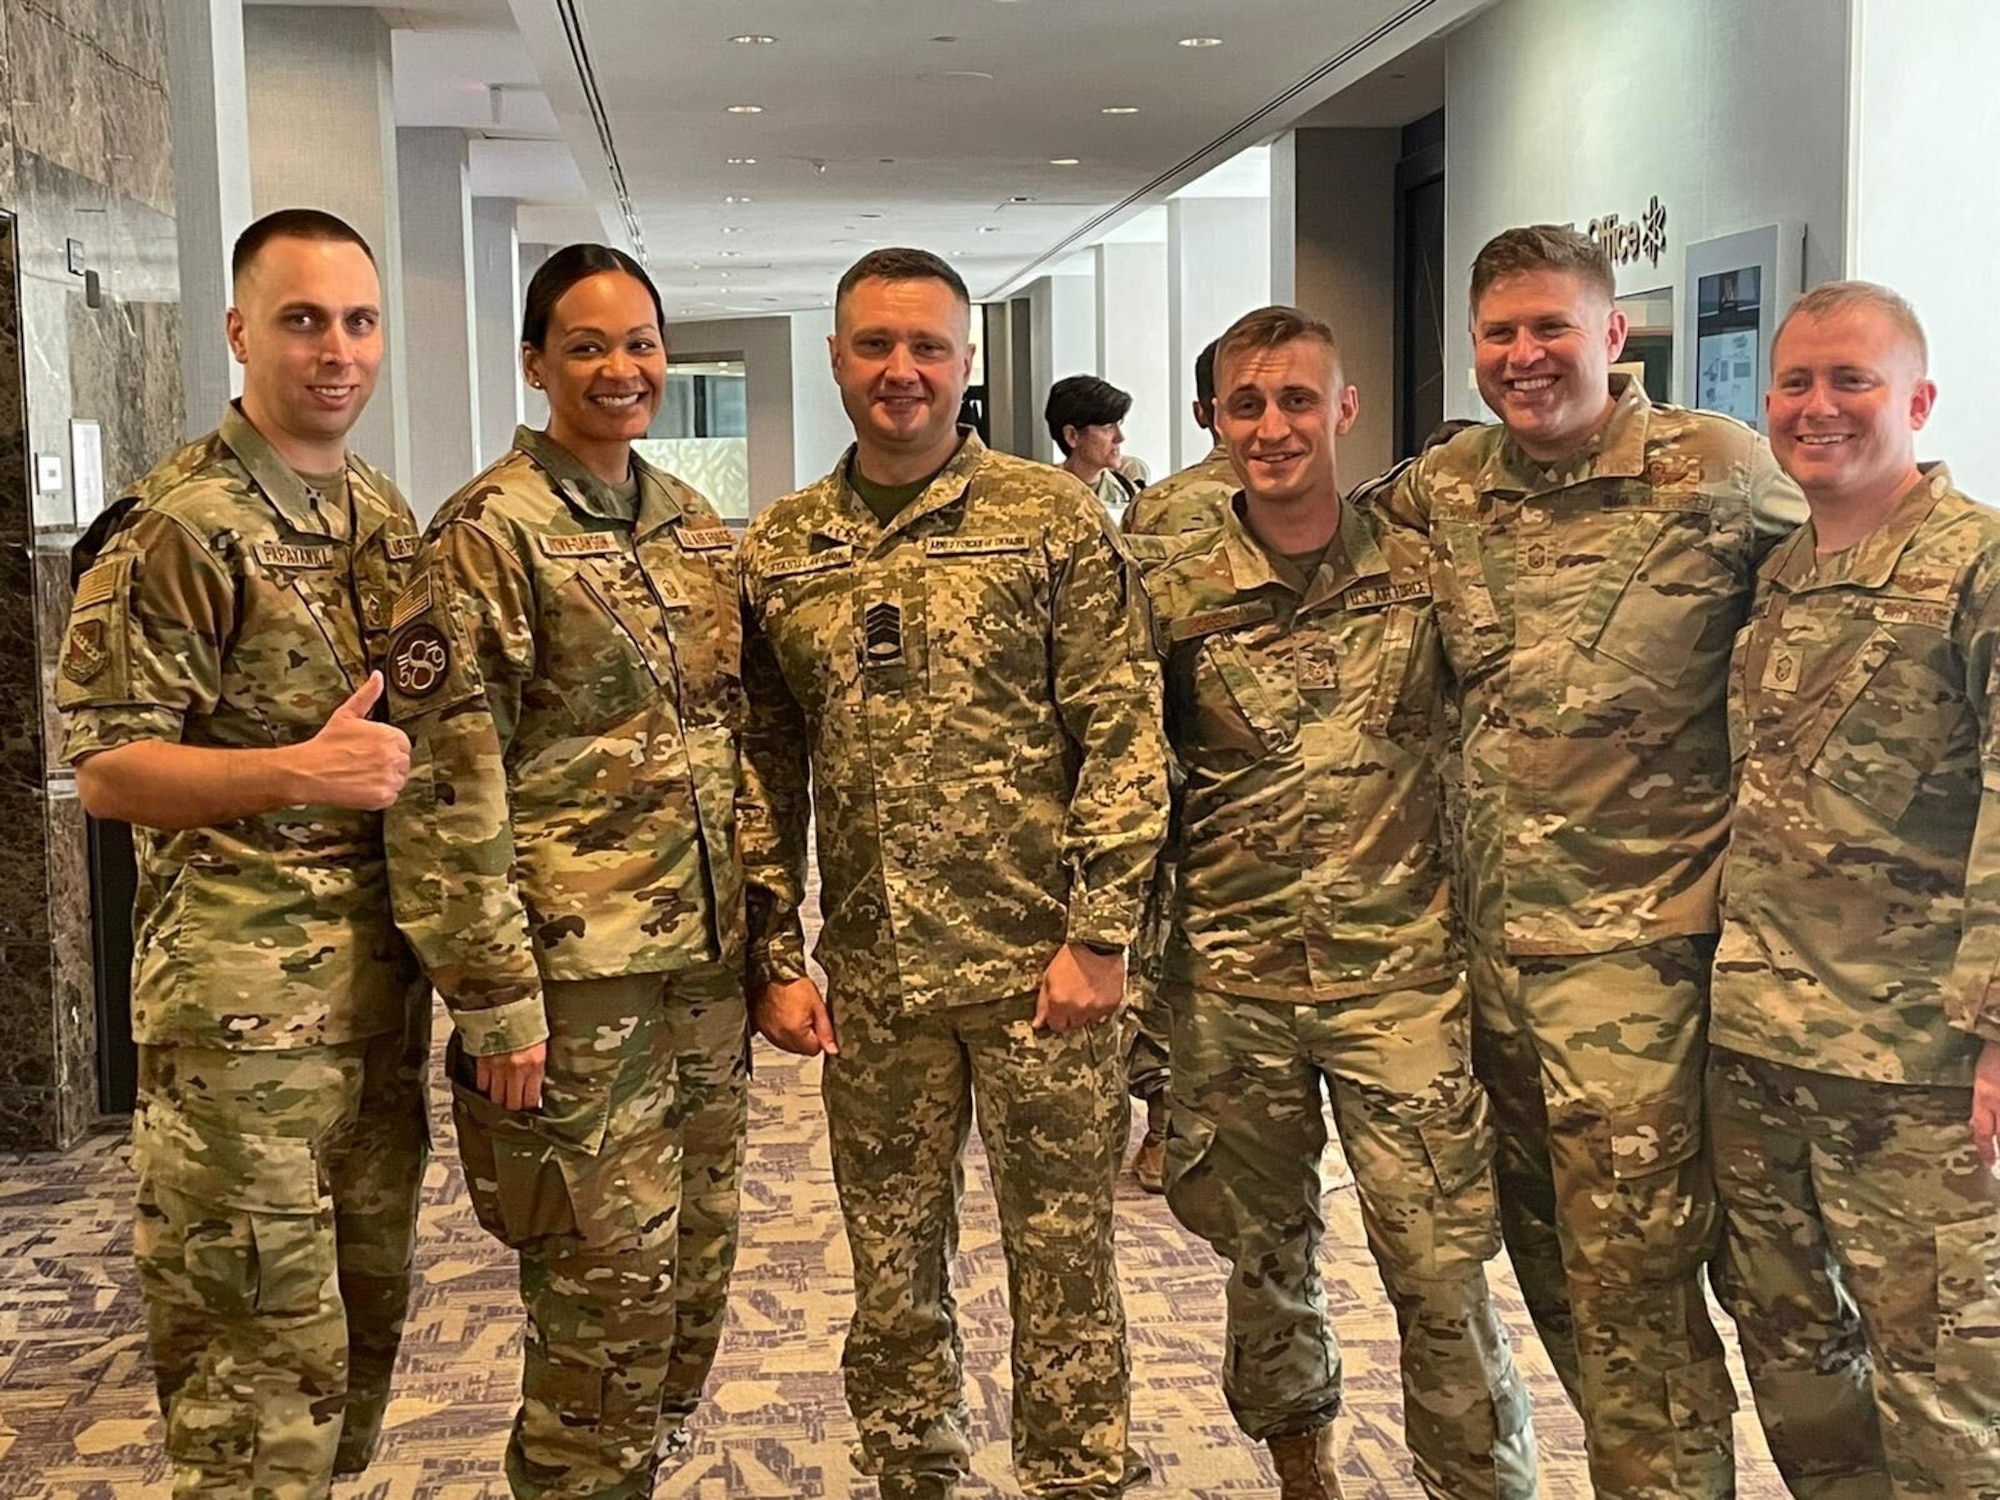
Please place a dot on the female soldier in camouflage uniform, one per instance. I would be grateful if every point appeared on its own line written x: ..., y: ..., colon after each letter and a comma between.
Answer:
x: 566, y: 664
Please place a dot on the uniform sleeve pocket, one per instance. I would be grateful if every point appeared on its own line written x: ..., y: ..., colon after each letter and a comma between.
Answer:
x: 1972, y: 994
x: 95, y: 667
x: 1460, y: 1141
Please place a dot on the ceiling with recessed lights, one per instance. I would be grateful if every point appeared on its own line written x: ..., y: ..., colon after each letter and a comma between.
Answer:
x: 754, y: 148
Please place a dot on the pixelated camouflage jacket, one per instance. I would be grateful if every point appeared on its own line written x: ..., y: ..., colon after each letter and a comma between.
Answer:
x: 1193, y: 499
x: 567, y: 665
x: 222, y: 612
x: 1587, y: 611
x: 971, y: 694
x: 1861, y: 891
x: 1306, y: 720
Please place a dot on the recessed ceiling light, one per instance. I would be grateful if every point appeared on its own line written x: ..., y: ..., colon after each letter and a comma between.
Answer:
x: 752, y: 109
x: 1119, y: 109
x: 685, y: 311
x: 742, y: 161
x: 729, y: 254
x: 735, y: 198
x: 1020, y: 198
x: 988, y: 229
x: 1062, y: 161
x: 1201, y: 41
x: 752, y: 39
x: 867, y: 216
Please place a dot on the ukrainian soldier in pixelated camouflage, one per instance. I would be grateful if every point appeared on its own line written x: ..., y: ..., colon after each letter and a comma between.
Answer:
x: 1192, y: 499
x: 279, y: 1134
x: 1854, y: 988
x: 970, y: 694
x: 1312, y: 940
x: 1587, y: 610
x: 566, y: 662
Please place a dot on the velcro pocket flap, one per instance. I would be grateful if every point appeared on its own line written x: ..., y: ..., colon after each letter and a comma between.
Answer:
x: 270, y: 1174
x: 1459, y: 1140
x: 1653, y: 1136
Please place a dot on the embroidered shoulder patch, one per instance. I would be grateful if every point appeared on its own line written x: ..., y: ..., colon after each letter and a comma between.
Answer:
x: 85, y: 652
x: 419, y: 661
x: 413, y: 601
x: 584, y: 544
x: 102, y: 582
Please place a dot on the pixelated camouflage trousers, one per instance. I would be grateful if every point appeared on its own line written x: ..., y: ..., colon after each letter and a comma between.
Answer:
x: 1052, y: 1114
x: 1242, y: 1172
x: 1594, y: 1065
x: 1861, y: 1261
x: 275, y: 1231
x: 589, y: 1190
x: 1148, y: 1027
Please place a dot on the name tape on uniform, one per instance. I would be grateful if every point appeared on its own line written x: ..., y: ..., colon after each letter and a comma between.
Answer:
x: 402, y: 548
x: 974, y: 546
x: 286, y: 555
x: 1229, y: 617
x: 583, y: 544
x: 102, y: 582
x: 704, y: 538
x: 1891, y: 612
x: 818, y: 562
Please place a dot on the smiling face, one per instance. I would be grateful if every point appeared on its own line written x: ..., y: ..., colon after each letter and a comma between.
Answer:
x: 602, y: 363
x: 1848, y: 397
x: 307, y: 329
x: 1280, y: 411
x: 1543, y: 343
x: 902, y: 356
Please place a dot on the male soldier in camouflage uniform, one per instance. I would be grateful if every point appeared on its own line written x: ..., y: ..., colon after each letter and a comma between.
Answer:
x: 1592, y: 557
x: 1854, y: 1085
x: 948, y: 644
x: 1314, y: 942
x: 1156, y: 525
x: 217, y: 682
x: 567, y: 666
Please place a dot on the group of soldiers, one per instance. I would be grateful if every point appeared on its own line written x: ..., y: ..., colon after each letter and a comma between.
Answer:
x: 1588, y: 812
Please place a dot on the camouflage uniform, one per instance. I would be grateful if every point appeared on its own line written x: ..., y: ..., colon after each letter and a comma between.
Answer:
x: 566, y: 663
x: 1186, y: 503
x: 1313, y: 944
x: 970, y: 693
x: 1587, y: 610
x: 1854, y: 985
x: 279, y: 1132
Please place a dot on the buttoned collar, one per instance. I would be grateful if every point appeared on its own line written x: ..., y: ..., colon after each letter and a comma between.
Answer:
x: 1352, y: 557
x: 654, y: 507
x: 1616, y: 451
x: 1871, y: 562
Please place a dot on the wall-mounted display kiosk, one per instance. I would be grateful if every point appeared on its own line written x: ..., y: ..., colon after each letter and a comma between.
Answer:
x: 1738, y: 286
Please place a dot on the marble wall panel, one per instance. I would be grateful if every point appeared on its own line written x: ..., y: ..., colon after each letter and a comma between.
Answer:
x: 85, y: 155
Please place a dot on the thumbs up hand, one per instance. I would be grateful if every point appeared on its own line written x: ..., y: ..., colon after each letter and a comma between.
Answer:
x: 353, y: 761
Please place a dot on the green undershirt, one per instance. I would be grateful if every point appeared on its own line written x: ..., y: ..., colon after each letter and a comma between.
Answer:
x: 886, y: 501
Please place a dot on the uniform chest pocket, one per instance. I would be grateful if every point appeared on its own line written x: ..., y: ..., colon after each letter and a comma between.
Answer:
x: 1475, y: 630
x: 1657, y: 593
x: 1404, y: 690
x: 699, y: 605
x: 1888, y: 721
x: 601, y: 642
x: 986, y: 609
x: 1246, y: 702
x: 297, y: 629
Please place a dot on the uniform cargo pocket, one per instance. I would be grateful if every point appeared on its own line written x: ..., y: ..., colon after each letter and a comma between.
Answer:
x: 1968, y: 1332
x: 1460, y: 1141
x: 511, y: 1174
x: 1701, y: 1398
x: 1196, y: 1191
x: 1649, y: 1216
x: 253, y: 1226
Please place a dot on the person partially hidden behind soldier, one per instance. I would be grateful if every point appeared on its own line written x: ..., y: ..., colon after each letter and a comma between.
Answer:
x: 218, y: 685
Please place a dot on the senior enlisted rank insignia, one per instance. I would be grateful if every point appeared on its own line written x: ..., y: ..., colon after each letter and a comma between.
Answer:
x: 882, y: 628
x: 84, y: 655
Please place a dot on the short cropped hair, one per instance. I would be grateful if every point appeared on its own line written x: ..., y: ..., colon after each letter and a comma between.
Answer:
x: 1831, y: 297
x: 1543, y: 247
x: 1083, y: 401
x: 1273, y: 328
x: 900, y: 263
x: 1204, y: 374
x: 292, y: 224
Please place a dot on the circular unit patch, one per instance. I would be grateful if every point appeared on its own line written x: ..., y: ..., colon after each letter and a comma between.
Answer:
x: 419, y: 661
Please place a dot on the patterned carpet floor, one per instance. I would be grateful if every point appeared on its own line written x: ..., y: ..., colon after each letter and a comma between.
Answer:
x: 77, y: 1419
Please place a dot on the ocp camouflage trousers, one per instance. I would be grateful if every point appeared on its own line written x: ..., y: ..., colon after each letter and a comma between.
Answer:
x: 274, y: 1237
x: 1052, y: 1113
x: 1861, y: 1261
x: 1594, y: 1065
x: 1243, y: 1173
x: 589, y: 1190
